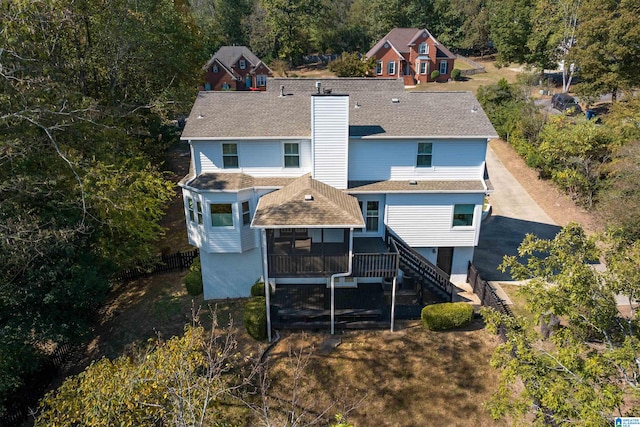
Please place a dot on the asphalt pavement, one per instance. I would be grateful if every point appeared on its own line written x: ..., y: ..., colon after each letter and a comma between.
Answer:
x: 514, y: 214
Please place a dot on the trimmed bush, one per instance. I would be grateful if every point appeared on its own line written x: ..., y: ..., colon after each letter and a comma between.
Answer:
x: 193, y: 279
x: 439, y: 317
x: 435, y: 74
x: 456, y: 74
x: 257, y: 290
x: 255, y: 318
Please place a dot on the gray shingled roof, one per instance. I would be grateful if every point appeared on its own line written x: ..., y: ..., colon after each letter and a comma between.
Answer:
x: 328, y: 207
x: 232, y: 181
x: 417, y: 186
x: 372, y: 114
x: 228, y: 55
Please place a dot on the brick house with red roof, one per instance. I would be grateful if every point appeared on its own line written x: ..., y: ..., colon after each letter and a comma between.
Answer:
x: 235, y: 68
x: 411, y: 54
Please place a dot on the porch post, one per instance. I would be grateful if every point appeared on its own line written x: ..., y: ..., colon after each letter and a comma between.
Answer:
x: 265, y: 275
x: 393, y: 302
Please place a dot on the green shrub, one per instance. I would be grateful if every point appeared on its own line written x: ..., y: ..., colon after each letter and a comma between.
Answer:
x: 438, y: 317
x: 456, y: 74
x: 193, y: 282
x: 257, y: 289
x: 435, y: 74
x: 255, y: 317
x: 193, y: 279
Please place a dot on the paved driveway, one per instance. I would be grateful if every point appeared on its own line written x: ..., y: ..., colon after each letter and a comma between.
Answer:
x: 514, y: 215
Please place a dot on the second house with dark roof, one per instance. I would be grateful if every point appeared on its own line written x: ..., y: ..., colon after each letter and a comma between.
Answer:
x: 412, y: 54
x: 235, y: 68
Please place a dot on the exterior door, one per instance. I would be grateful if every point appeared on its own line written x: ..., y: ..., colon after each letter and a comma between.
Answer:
x: 445, y: 258
x: 247, y: 81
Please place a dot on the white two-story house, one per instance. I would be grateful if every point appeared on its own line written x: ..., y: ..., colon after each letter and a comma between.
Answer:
x: 304, y: 181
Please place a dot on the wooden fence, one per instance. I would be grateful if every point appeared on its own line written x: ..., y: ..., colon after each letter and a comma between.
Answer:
x: 488, y: 296
x: 178, y: 261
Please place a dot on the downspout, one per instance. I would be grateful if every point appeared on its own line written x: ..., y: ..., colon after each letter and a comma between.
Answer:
x: 265, y: 274
x: 333, y: 282
x: 393, y: 302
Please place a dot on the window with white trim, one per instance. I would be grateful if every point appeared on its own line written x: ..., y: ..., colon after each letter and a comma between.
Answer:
x: 463, y: 215
x: 243, y: 64
x: 261, y: 80
x: 378, y: 67
x: 423, y: 49
x: 423, y: 67
x: 291, y: 155
x: 230, y: 156
x: 425, y: 154
x: 246, y: 213
x: 372, y: 215
x: 391, y: 67
x: 443, y: 67
x: 221, y: 214
x: 191, y: 209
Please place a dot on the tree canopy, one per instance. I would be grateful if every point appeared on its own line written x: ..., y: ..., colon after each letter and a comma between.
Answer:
x: 586, y: 371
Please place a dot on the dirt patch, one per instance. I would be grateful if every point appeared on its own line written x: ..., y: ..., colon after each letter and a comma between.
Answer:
x: 551, y: 199
x: 412, y: 377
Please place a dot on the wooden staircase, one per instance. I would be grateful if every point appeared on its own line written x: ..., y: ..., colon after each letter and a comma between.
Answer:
x: 431, y: 282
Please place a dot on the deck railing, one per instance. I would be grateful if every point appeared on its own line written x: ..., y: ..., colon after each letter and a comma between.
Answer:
x: 421, y: 265
x: 375, y: 265
x: 287, y: 265
x: 308, y: 265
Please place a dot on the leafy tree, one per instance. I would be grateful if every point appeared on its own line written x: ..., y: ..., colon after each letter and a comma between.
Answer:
x: 179, y: 382
x: 84, y: 99
x: 606, y: 49
x: 352, y: 65
x: 573, y: 155
x: 586, y: 371
x: 510, y: 23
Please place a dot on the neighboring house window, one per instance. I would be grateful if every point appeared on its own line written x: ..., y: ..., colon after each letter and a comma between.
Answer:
x: 423, y: 67
x: 225, y: 86
x: 243, y: 64
x: 378, y: 67
x: 391, y: 67
x: 291, y: 155
x: 221, y: 215
x: 261, y: 80
x: 463, y: 215
x: 423, y: 49
x: 214, y: 69
x: 372, y: 215
x: 443, y: 67
x: 424, y: 154
x: 230, y: 156
x: 246, y: 213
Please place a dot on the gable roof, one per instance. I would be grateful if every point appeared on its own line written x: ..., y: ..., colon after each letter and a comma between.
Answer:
x: 401, y: 39
x: 372, y: 114
x: 227, y: 56
x: 291, y: 206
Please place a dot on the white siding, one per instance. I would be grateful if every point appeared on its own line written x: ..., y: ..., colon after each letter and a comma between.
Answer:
x: 250, y: 238
x: 255, y: 158
x: 425, y: 220
x: 230, y: 275
x: 222, y: 239
x: 462, y: 255
x: 330, y: 139
x: 396, y: 160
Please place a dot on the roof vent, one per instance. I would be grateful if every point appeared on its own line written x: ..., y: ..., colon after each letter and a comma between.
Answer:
x: 308, y: 198
x: 326, y: 91
x: 474, y: 109
x: 413, y: 182
x: 318, y: 86
x: 200, y: 116
x: 281, y: 91
x: 357, y: 105
x: 395, y: 101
